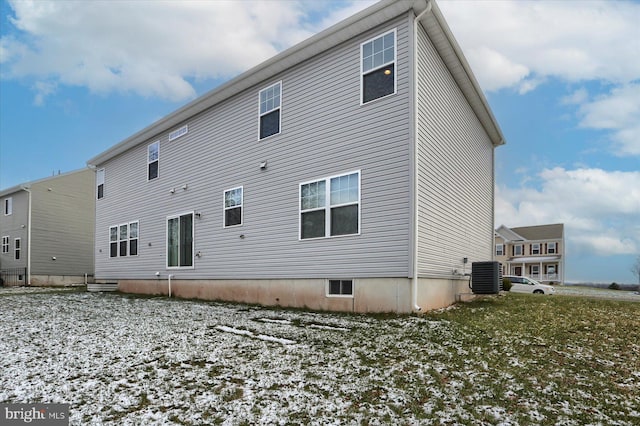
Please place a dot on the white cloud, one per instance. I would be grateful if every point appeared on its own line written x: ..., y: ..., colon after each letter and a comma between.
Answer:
x: 577, y: 97
x: 618, y: 111
x: 150, y: 48
x: 600, y: 209
x: 571, y: 40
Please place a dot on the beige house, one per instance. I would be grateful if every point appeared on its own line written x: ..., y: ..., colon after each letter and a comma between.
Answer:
x: 46, y: 228
x: 533, y: 251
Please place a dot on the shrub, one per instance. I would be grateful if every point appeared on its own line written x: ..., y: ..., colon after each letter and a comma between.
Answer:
x: 614, y: 286
x: 506, y: 284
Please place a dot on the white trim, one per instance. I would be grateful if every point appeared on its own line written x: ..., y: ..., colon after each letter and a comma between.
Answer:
x: 179, y: 132
x: 157, y: 160
x: 328, y: 206
x: 193, y: 241
x: 555, y: 247
x: 225, y: 208
x: 533, y: 249
x: 6, y: 244
x: 341, y: 296
x: 501, y: 250
x: 279, y: 107
x: 394, y: 62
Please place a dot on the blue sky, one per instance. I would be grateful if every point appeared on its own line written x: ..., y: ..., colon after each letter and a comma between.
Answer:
x: 562, y: 78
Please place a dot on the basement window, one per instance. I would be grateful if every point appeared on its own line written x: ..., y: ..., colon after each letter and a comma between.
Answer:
x: 340, y: 288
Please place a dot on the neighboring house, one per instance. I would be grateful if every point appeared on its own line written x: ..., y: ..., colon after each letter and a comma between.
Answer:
x: 47, y: 230
x: 532, y: 251
x: 351, y: 172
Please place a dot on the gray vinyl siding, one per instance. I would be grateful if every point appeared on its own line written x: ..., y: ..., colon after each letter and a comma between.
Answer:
x: 62, y: 224
x: 324, y: 132
x: 11, y: 226
x: 455, y: 172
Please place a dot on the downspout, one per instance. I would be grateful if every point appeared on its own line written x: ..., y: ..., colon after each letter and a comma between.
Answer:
x: 28, y: 190
x: 414, y: 280
x: 170, y: 276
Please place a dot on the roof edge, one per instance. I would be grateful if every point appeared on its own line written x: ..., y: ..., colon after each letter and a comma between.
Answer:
x: 22, y: 186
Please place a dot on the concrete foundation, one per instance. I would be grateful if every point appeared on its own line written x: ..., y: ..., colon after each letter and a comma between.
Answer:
x: 370, y: 294
x: 57, y: 280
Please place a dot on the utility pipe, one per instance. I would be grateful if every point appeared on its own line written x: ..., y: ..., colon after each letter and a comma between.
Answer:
x: 28, y: 190
x: 170, y: 276
x: 414, y: 280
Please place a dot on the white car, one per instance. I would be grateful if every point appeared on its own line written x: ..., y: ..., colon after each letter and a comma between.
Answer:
x: 528, y: 285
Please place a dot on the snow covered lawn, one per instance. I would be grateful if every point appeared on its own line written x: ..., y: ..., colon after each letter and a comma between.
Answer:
x: 514, y: 359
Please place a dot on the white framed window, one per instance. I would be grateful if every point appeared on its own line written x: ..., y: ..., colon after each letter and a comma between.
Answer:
x: 233, y: 207
x: 552, y: 248
x: 113, y: 241
x: 551, y: 269
x: 100, y: 183
x: 123, y: 239
x: 179, y: 132
x: 180, y: 241
x: 133, y: 238
x: 330, y: 206
x: 535, y: 270
x: 7, y: 206
x: 535, y: 248
x: 153, y: 159
x: 378, y: 67
x: 5, y: 244
x: 499, y: 249
x: 517, y: 250
x: 17, y: 248
x: 270, y: 104
x: 339, y: 288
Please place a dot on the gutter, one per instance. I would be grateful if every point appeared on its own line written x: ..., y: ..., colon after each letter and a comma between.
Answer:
x: 414, y: 279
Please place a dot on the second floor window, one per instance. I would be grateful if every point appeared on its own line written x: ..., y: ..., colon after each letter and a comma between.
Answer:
x: 5, y: 244
x: 153, y: 157
x: 8, y: 206
x: 535, y: 248
x: 552, y: 248
x: 270, y: 101
x: 517, y: 250
x: 499, y: 250
x: 378, y: 67
x: 100, y: 184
